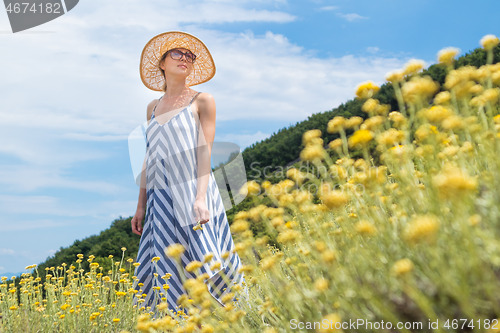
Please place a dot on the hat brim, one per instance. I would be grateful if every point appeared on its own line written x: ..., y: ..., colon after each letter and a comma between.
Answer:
x: 151, y: 75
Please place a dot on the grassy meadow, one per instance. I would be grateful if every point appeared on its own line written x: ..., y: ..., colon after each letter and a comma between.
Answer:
x: 392, y: 227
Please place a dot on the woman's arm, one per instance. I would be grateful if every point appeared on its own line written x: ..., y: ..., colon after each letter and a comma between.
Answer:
x: 142, y: 190
x: 141, y: 202
x: 206, y: 134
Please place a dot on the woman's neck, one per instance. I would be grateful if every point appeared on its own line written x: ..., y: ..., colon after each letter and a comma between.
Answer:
x: 176, y: 88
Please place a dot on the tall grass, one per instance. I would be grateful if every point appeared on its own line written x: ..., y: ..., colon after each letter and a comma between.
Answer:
x: 408, y: 242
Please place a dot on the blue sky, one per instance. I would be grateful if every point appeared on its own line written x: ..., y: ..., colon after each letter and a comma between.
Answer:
x: 70, y: 91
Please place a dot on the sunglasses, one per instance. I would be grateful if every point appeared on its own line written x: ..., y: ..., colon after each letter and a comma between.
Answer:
x: 177, y: 55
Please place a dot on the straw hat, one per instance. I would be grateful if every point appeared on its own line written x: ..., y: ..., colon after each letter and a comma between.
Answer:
x: 151, y: 75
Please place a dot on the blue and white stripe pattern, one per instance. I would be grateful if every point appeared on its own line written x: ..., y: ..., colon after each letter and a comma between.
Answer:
x: 171, y: 173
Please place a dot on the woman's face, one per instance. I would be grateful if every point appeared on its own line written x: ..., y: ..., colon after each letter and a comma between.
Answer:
x: 177, y: 67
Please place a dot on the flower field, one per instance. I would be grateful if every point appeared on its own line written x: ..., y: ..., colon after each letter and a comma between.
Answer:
x: 394, y: 226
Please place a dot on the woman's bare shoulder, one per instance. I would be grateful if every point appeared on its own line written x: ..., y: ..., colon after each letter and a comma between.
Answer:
x: 205, y: 97
x: 204, y: 105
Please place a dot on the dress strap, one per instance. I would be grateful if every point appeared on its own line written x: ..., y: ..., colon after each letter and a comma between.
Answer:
x: 199, y: 92
x: 153, y: 113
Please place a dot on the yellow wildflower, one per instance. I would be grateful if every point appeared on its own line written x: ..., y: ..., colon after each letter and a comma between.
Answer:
x: 413, y: 66
x: 390, y: 137
x: 394, y: 76
x: 215, y: 266
x: 423, y: 132
x: 491, y: 95
x: 488, y: 42
x: 370, y: 105
x: 452, y: 182
x: 402, y: 266
x: 474, y: 219
x: 372, y: 123
x: 422, y: 228
x: 360, y: 137
x: 353, y: 122
x: 334, y: 198
x: 308, y: 136
x: 397, y: 118
x: 175, y: 250
x: 266, y: 184
x: 436, y: 114
x: 453, y: 122
x: 289, y: 235
x: 250, y: 188
x: 302, y: 196
x: 419, y: 88
x: 193, y: 265
x: 447, y: 55
x: 476, y: 89
x: 246, y: 269
x: 321, y: 284
x: 366, y: 89
x: 338, y: 171
x: 296, y: 175
x: 239, y: 226
x: 268, y: 263
x: 312, y: 152
x: 335, y: 144
x: 336, y: 124
x: 461, y: 75
x: 365, y: 228
x: 443, y: 97
x: 330, y: 323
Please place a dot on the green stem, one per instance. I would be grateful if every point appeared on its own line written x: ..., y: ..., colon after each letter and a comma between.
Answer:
x: 399, y: 97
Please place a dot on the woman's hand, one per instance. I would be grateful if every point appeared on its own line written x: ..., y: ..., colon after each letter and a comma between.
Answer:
x: 137, y: 221
x: 201, y: 211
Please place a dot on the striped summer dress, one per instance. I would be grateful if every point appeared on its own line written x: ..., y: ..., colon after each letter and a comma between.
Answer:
x: 171, y: 173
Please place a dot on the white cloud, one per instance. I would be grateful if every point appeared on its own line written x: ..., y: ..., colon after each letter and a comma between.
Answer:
x: 158, y: 15
x: 39, y: 205
x: 328, y: 8
x: 34, y: 224
x: 7, y: 252
x: 351, y: 17
x: 372, y: 49
x: 31, y: 177
x: 284, y: 81
x: 243, y: 140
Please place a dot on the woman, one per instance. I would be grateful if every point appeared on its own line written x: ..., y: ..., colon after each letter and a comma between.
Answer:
x: 178, y: 187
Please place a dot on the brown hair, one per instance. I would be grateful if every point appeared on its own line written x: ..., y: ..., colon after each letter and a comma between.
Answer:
x: 164, y: 88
